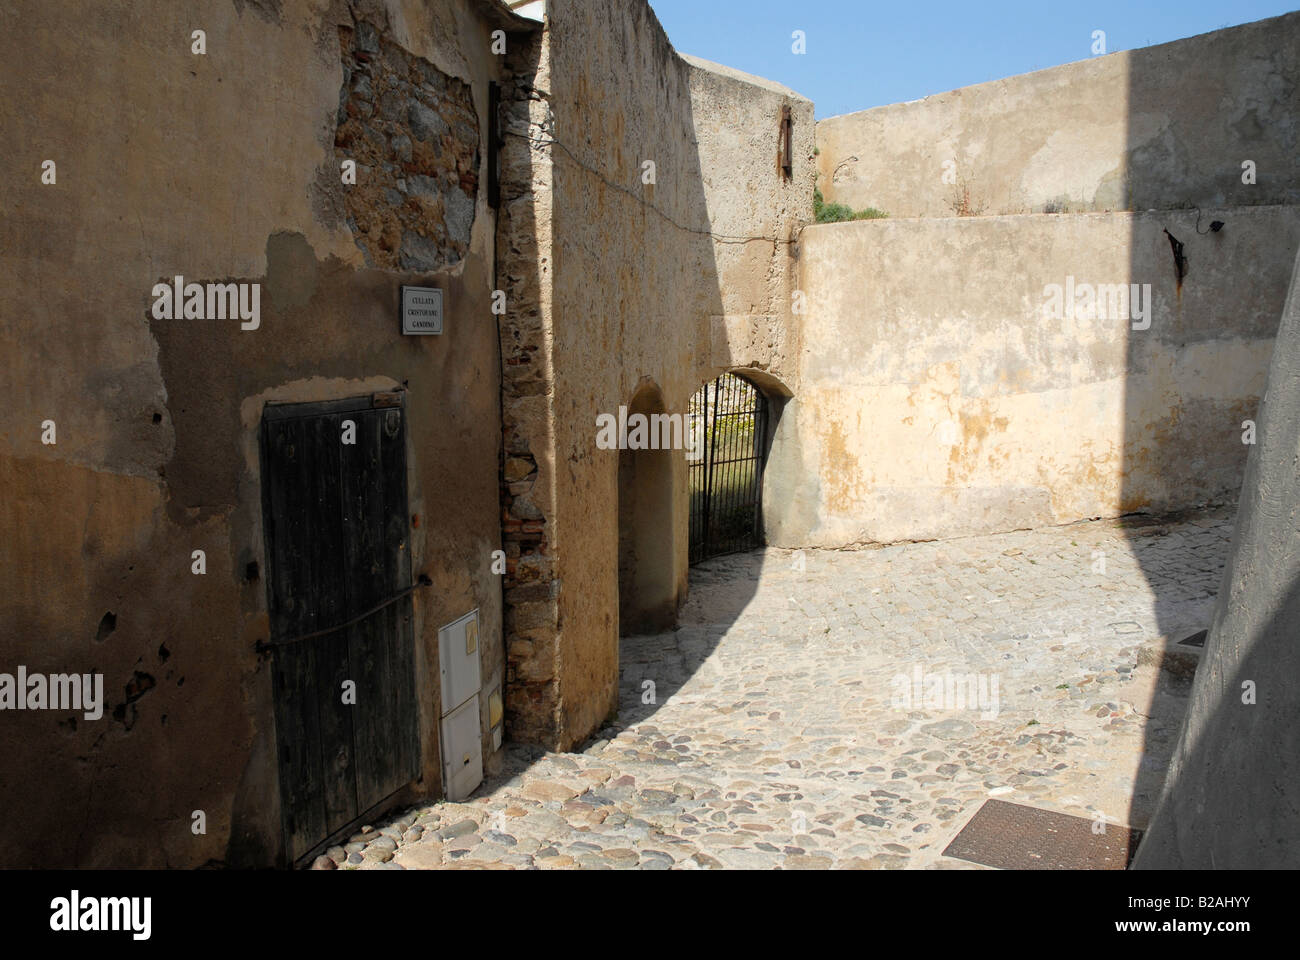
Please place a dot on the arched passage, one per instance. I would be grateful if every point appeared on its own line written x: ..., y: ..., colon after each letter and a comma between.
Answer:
x: 733, y: 417
x: 648, y: 595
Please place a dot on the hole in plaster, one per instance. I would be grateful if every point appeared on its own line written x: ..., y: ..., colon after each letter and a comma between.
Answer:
x: 107, y: 624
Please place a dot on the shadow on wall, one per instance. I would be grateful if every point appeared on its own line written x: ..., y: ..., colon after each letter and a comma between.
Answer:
x: 655, y: 644
x: 1192, y: 389
x: 1232, y: 799
x: 648, y: 599
x: 1232, y: 796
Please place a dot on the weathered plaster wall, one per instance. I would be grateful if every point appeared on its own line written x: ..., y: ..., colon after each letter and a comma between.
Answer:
x: 1164, y: 126
x: 627, y: 291
x: 1230, y: 797
x: 937, y: 397
x: 755, y: 216
x: 219, y: 166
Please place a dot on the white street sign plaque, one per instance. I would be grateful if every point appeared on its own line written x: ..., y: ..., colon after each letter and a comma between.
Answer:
x: 421, y: 310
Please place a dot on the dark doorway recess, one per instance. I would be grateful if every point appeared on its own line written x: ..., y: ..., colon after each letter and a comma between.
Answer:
x: 649, y: 593
x: 726, y: 481
x: 338, y: 589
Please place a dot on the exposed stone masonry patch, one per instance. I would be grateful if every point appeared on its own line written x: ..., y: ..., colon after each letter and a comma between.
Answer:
x: 531, y: 613
x: 413, y: 133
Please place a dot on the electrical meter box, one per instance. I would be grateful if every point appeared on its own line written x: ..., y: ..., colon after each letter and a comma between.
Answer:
x: 460, y: 729
x: 462, y: 750
x: 459, y: 662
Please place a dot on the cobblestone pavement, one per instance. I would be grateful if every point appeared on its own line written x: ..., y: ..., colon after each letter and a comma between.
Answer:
x: 780, y: 736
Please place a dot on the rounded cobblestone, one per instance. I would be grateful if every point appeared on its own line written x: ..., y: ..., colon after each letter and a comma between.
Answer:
x: 798, y: 724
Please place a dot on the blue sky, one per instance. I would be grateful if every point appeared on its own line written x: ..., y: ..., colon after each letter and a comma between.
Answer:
x: 864, y: 54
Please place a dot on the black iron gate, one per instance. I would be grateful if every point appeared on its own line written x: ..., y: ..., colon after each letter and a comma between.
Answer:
x: 726, y: 480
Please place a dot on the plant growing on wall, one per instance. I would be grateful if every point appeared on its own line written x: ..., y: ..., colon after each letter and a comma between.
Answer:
x: 824, y: 212
x: 962, y: 202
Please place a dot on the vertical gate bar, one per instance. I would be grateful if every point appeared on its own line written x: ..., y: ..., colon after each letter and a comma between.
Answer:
x: 742, y: 455
x: 701, y: 468
x: 690, y: 487
x: 724, y: 479
x: 733, y: 476
x: 708, y: 468
x: 724, y: 494
x: 746, y: 449
x: 738, y: 497
x: 724, y: 475
x: 742, y: 495
x: 746, y: 536
x: 692, y: 478
x: 721, y: 507
x: 724, y: 486
x: 738, y: 490
x: 749, y: 480
x: 712, y: 456
x: 749, y: 485
x: 707, y: 476
x: 759, y: 430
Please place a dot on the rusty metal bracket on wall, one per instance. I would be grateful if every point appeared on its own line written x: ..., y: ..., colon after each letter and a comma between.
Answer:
x: 785, y: 149
x: 1180, y: 261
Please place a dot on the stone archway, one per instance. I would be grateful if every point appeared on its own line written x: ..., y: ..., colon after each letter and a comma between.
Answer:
x: 783, y: 508
x: 648, y: 591
x: 726, y: 479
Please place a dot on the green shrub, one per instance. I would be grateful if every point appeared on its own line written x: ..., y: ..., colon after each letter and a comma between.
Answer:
x: 824, y: 212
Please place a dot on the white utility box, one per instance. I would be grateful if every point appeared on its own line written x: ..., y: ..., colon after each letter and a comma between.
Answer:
x: 462, y: 750
x: 460, y: 729
x: 458, y: 661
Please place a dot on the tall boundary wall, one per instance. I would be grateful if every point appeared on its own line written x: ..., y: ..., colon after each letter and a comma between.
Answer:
x: 940, y: 394
x: 943, y: 392
x: 1163, y: 126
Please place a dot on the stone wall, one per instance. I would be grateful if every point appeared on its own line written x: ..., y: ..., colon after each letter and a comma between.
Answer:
x: 413, y: 133
x: 1160, y: 127
x: 939, y: 396
x: 627, y: 294
x: 222, y: 165
x: 524, y: 243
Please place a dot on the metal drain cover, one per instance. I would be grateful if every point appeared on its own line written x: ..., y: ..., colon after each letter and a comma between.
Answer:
x: 1195, y: 640
x: 1012, y: 836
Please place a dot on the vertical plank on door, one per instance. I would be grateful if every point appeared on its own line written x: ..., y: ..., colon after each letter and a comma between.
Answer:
x: 400, y: 626
x: 381, y: 644
x: 288, y: 497
x: 366, y: 588
x: 323, y: 543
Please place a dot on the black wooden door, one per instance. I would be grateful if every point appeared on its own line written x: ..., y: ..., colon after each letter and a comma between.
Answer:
x: 335, y: 523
